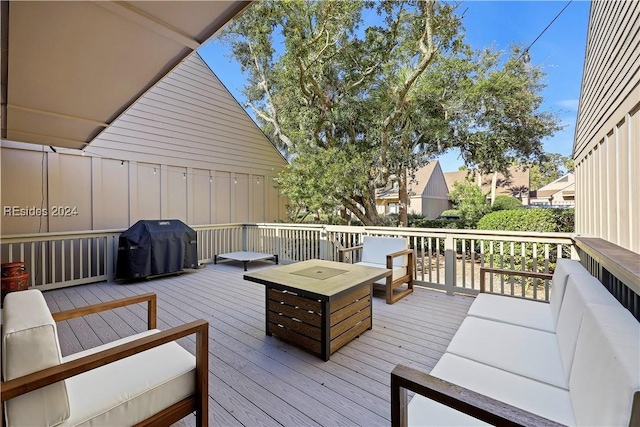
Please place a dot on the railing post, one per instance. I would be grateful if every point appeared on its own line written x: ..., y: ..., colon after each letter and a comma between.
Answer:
x: 449, y: 263
x: 323, y: 243
x: 111, y: 249
x: 278, y: 243
x: 244, y: 237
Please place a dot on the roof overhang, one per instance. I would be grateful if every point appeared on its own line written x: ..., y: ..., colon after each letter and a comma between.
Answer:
x: 69, y: 69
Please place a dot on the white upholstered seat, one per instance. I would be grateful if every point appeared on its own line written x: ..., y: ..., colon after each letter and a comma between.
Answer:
x: 127, y: 391
x: 532, y: 314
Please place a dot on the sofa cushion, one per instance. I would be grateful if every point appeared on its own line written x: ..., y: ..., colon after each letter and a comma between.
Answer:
x: 516, y: 311
x: 132, y: 389
x: 397, y: 272
x: 524, y: 351
x: 605, y: 375
x: 581, y: 290
x: 564, y: 267
x: 376, y: 249
x: 543, y: 399
x: 424, y: 412
x: 29, y: 344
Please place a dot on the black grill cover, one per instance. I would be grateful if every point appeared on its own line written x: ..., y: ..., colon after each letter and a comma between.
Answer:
x: 156, y: 247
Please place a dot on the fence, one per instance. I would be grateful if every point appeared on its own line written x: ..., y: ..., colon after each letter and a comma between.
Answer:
x: 445, y: 259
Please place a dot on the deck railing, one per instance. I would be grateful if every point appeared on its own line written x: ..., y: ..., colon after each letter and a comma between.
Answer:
x: 445, y: 259
x: 55, y: 260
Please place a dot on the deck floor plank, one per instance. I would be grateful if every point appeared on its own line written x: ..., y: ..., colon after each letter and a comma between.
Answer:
x: 259, y: 380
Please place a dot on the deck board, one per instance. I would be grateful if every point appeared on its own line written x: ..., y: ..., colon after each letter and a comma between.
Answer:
x: 259, y: 380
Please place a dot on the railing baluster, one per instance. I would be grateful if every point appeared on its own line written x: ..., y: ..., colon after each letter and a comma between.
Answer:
x: 34, y: 262
x: 523, y: 282
x: 62, y: 261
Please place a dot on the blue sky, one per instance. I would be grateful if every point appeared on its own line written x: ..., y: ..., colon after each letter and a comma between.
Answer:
x: 559, y: 51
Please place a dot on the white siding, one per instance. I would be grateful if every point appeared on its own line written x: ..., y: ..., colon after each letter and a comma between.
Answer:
x: 607, y: 141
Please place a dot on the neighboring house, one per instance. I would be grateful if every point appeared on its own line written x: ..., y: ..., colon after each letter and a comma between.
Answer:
x: 560, y: 192
x: 427, y: 193
x: 516, y: 184
x: 606, y: 149
x: 186, y: 149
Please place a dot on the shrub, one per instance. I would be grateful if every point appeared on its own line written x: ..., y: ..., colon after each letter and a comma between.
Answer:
x: 537, y: 220
x: 470, y: 203
x: 540, y: 220
x: 504, y: 202
x: 450, y: 212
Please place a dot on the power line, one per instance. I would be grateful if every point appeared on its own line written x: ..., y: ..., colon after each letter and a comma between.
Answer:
x: 526, y: 51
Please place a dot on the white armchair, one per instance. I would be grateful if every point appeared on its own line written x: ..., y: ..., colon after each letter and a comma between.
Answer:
x: 391, y: 253
x: 145, y: 379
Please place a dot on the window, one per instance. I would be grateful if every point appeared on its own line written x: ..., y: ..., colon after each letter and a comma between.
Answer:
x: 392, y: 208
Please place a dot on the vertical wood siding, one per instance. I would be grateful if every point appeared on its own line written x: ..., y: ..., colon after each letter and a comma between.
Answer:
x: 185, y: 150
x: 607, y: 141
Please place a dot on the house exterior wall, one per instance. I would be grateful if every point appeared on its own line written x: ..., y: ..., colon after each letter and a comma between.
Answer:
x: 607, y: 141
x: 185, y: 150
x: 435, y: 196
x: 432, y: 207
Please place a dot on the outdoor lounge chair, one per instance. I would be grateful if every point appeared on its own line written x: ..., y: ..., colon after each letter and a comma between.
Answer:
x: 391, y: 253
x: 145, y: 379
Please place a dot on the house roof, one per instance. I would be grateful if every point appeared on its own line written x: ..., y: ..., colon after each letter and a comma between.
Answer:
x: 555, y: 186
x: 421, y: 177
x: 567, y: 191
x: 69, y: 69
x: 518, y: 181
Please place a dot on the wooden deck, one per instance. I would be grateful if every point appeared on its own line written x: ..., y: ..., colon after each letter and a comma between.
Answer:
x: 255, y: 380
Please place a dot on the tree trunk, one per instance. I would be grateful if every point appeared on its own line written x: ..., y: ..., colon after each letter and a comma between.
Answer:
x: 494, y: 181
x: 368, y: 217
x: 403, y: 197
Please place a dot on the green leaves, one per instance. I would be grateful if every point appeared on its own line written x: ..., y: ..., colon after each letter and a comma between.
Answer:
x: 352, y: 105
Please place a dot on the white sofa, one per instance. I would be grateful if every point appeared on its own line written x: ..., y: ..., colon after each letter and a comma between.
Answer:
x: 523, y: 312
x: 391, y: 253
x: 585, y: 372
x: 146, y: 378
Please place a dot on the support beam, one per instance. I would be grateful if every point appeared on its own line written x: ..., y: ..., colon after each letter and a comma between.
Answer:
x: 150, y: 22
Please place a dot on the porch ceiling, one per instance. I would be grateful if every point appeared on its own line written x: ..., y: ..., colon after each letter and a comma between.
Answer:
x: 69, y: 69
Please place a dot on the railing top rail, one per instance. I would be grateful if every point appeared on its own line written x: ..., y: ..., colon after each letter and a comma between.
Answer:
x: 284, y: 225
x: 58, y: 235
x: 621, y: 262
x: 463, y: 232
x: 217, y: 226
x: 405, y: 231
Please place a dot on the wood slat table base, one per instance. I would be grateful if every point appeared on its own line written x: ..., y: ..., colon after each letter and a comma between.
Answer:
x: 320, y: 327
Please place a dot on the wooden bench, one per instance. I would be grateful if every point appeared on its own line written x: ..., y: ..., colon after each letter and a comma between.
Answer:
x: 496, y: 370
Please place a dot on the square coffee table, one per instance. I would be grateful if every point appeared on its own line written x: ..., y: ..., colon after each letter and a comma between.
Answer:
x: 245, y: 257
x: 318, y: 305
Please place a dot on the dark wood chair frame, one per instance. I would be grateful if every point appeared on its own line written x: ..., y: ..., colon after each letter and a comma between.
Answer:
x: 197, y: 403
x: 532, y: 274
x: 484, y: 408
x: 389, y: 287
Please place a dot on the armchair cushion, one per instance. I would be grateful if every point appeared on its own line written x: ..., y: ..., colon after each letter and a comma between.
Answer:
x: 112, y: 395
x: 376, y: 249
x: 397, y: 272
x: 30, y: 344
